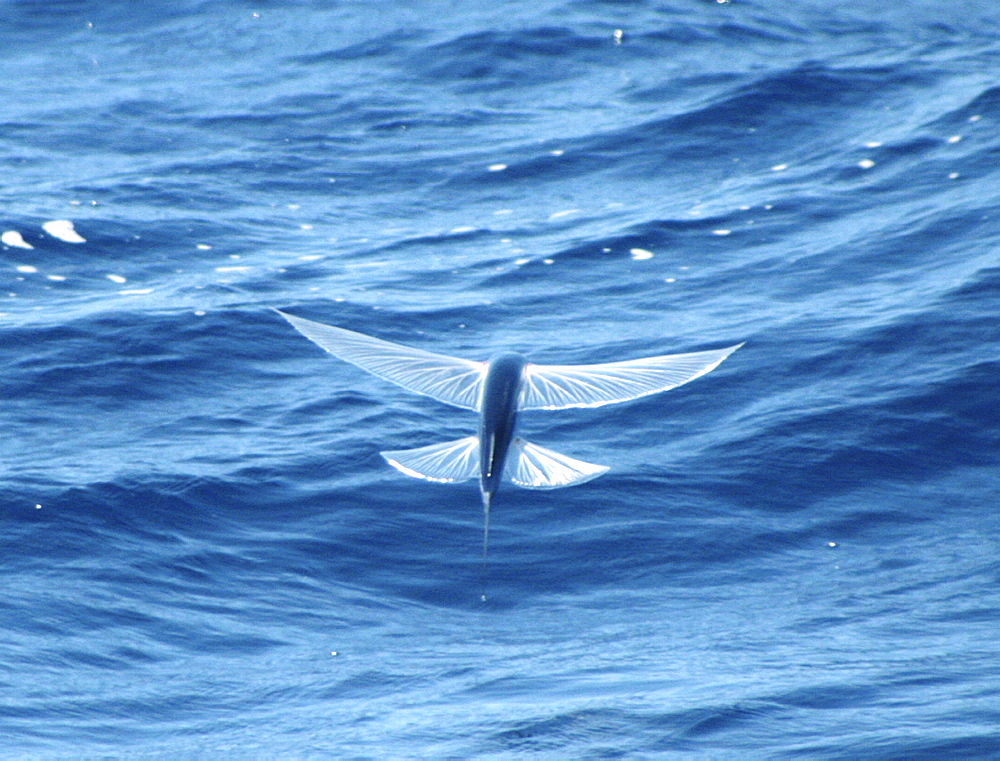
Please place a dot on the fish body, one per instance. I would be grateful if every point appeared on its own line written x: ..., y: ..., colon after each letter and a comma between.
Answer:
x: 498, y: 418
x: 497, y: 423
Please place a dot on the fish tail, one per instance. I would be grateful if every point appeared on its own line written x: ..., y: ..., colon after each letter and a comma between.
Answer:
x: 487, y: 500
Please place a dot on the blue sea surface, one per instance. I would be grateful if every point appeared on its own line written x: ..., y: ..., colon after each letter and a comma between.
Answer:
x: 202, y: 554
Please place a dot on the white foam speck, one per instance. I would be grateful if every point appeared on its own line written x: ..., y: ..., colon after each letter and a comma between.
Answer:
x: 873, y: 144
x: 502, y: 212
x: 203, y: 247
x: 779, y: 167
x: 462, y: 229
x: 954, y: 176
x: 722, y: 232
x: 564, y: 213
x: 232, y: 269
x: 521, y: 262
x: 135, y: 291
x: 305, y: 227
x: 13, y: 238
x: 606, y: 250
x: 670, y: 280
x: 63, y: 230
x: 557, y: 152
x: 954, y: 138
x: 310, y: 257
x: 27, y: 268
x: 294, y: 206
x: 975, y: 118
x: 199, y: 313
x: 866, y: 163
x: 57, y: 278
x: 640, y: 253
x: 116, y: 279
x: 548, y: 261
x: 496, y: 167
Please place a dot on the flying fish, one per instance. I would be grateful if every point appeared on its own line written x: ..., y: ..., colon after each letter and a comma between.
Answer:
x: 498, y: 390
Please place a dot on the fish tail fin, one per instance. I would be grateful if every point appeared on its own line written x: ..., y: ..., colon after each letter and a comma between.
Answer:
x: 487, y: 501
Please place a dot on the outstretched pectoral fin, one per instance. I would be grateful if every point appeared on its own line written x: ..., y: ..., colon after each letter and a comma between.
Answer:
x: 449, y: 462
x: 534, y: 467
x: 447, y: 379
x: 556, y: 387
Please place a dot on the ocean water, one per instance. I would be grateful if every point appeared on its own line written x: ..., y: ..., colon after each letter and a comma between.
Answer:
x: 203, y: 555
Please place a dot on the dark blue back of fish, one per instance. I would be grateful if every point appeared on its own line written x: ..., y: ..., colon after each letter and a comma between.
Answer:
x: 498, y: 417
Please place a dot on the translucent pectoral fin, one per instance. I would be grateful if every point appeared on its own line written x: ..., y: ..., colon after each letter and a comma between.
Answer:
x: 449, y: 462
x: 534, y: 467
x: 447, y: 379
x: 556, y: 387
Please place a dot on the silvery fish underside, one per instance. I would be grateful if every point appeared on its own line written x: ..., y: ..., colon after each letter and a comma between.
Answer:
x: 498, y: 390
